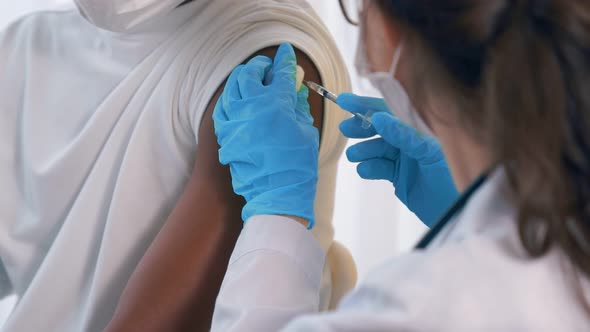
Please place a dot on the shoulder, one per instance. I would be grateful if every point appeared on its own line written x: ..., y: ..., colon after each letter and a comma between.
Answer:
x: 241, y: 29
x: 42, y: 21
x: 39, y: 29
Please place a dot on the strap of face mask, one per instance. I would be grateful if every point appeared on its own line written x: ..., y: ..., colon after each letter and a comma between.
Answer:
x: 396, y: 58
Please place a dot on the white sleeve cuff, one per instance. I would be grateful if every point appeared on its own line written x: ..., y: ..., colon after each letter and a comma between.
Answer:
x: 286, y: 236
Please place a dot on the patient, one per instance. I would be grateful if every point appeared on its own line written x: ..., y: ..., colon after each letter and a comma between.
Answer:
x: 114, y: 207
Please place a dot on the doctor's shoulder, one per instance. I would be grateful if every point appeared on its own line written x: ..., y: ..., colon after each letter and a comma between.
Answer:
x: 482, y: 283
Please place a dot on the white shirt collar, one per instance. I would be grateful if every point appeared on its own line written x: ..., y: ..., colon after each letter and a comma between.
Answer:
x: 488, y: 210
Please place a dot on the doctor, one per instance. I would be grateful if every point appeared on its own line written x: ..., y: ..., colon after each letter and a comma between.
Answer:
x: 502, y: 85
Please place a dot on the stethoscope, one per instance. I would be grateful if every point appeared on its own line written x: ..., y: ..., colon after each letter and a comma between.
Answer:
x: 452, y: 212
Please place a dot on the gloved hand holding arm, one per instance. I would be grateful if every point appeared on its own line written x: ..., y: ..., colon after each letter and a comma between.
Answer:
x: 414, y: 163
x: 267, y: 137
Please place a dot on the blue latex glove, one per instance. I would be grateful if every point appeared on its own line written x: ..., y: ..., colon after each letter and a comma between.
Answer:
x: 414, y: 163
x: 266, y: 135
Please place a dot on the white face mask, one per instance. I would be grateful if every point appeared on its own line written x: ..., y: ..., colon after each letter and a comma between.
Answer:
x: 123, y: 15
x: 392, y: 90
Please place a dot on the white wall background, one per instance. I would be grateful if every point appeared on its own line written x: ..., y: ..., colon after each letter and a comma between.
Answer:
x: 369, y: 220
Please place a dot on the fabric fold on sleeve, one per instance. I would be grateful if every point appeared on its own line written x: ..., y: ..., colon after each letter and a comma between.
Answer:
x: 274, y: 276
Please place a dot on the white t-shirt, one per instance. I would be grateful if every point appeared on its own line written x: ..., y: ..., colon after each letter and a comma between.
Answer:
x: 98, y: 133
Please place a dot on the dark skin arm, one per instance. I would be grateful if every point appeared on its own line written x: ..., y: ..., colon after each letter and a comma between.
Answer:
x: 175, y: 285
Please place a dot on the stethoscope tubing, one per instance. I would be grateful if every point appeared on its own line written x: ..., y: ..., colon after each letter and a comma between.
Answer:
x: 459, y: 204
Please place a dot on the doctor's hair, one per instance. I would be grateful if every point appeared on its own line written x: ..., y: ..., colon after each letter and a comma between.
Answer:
x: 519, y: 73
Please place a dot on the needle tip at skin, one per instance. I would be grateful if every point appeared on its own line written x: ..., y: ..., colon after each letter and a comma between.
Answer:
x: 308, y: 84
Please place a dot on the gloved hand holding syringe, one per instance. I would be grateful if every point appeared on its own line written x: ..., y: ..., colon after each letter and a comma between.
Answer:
x: 413, y: 162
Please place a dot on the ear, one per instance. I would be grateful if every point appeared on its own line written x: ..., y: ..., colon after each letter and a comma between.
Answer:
x: 392, y: 29
x: 382, y: 34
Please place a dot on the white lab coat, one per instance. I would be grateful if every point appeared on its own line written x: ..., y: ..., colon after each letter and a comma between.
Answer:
x: 475, y: 276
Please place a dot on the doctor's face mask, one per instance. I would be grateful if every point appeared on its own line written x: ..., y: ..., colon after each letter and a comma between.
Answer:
x: 388, y: 85
x: 123, y: 15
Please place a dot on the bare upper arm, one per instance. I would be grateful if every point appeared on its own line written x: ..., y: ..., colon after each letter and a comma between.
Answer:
x: 206, y: 131
x: 177, y: 281
x: 207, y: 165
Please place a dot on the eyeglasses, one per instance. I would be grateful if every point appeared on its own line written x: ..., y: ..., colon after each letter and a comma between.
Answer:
x: 352, y: 10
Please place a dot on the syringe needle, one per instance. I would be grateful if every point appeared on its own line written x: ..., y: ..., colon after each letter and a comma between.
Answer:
x: 333, y: 97
x: 321, y: 91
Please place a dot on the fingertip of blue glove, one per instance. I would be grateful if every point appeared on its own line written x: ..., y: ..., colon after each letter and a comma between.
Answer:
x: 393, y: 130
x: 364, y: 171
x: 345, y: 98
x: 285, y: 57
x: 285, y: 49
x: 260, y: 60
x: 342, y: 127
x: 346, y: 127
x: 348, y: 101
x: 258, y: 67
x: 352, y: 154
x: 352, y: 128
x: 361, y: 104
x: 382, y: 122
x: 284, y: 68
x: 381, y: 117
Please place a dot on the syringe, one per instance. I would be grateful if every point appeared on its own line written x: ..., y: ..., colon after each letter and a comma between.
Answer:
x: 333, y: 97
